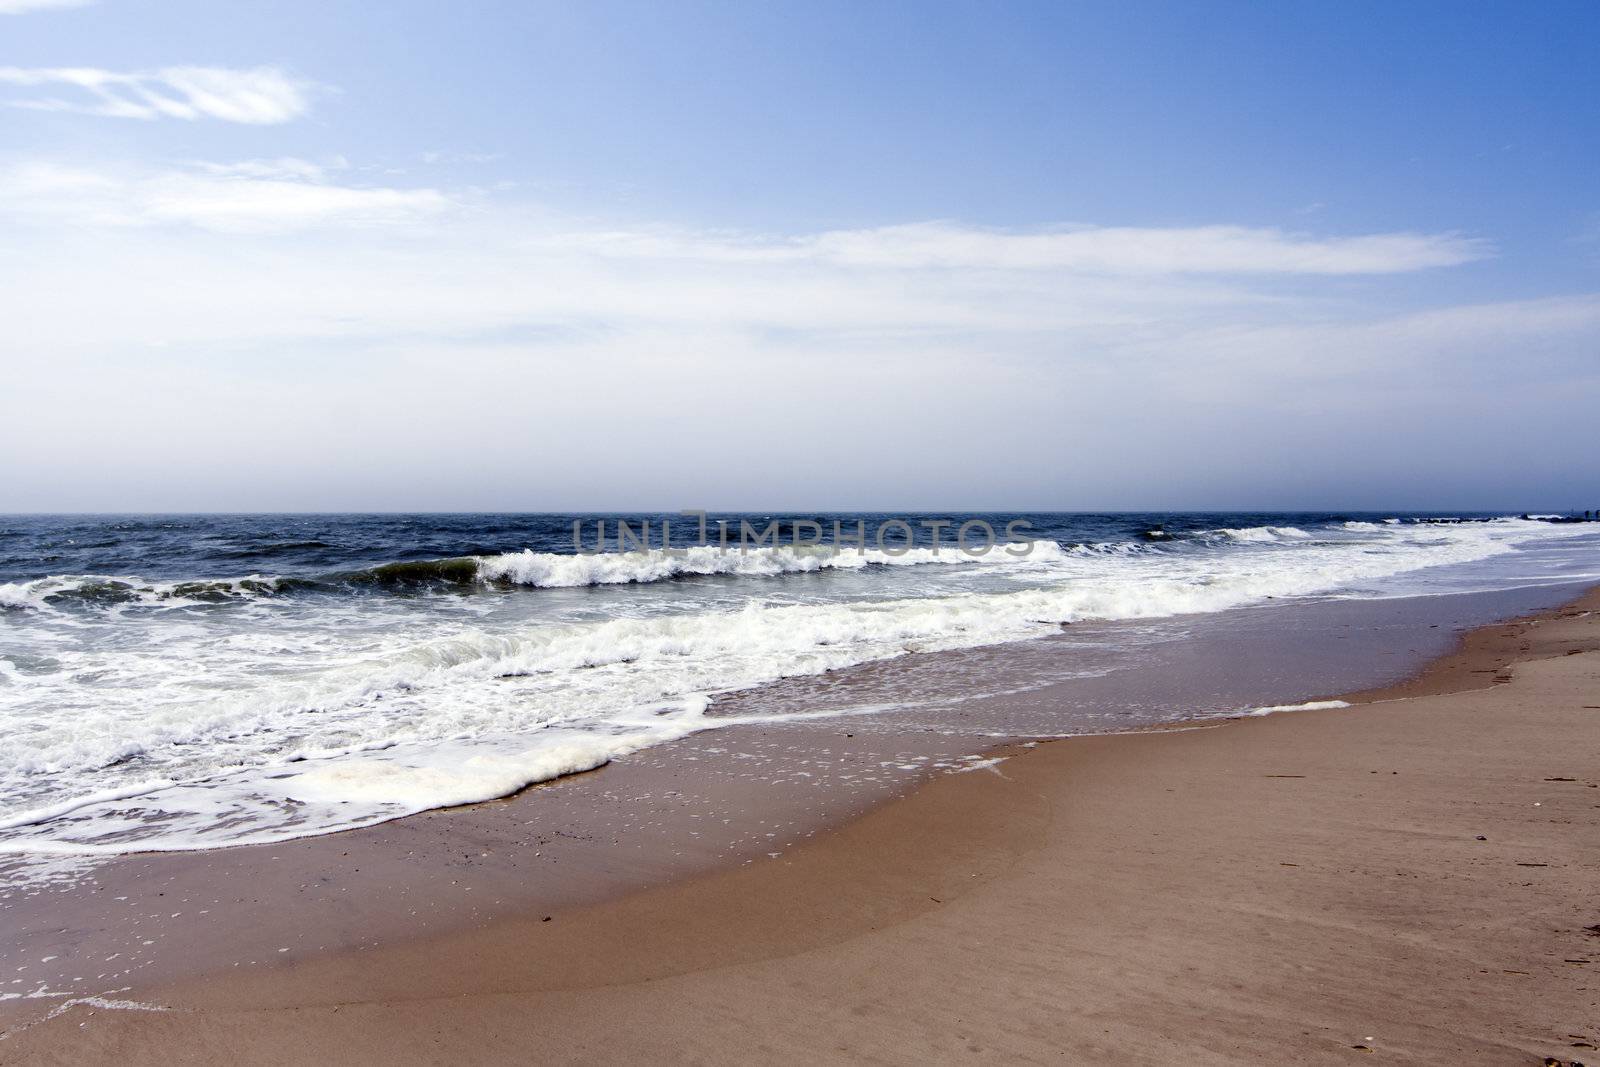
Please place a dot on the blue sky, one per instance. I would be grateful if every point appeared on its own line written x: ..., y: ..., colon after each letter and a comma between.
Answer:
x: 544, y: 256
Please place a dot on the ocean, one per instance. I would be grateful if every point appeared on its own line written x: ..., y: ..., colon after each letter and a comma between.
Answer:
x: 175, y: 682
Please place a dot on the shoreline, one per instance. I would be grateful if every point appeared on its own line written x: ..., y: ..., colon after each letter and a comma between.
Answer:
x: 894, y: 866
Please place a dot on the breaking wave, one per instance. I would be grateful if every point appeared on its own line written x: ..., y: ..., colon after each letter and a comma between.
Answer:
x: 1265, y: 534
x: 537, y: 570
x: 550, y: 570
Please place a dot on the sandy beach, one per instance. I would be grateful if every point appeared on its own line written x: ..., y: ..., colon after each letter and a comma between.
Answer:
x: 1411, y: 878
x: 736, y: 533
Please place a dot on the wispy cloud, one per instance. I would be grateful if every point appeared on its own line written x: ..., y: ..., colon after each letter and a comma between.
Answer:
x: 18, y: 7
x: 283, y: 167
x: 289, y: 193
x: 1128, y: 250
x: 254, y: 196
x: 258, y: 96
x: 1079, y: 360
x: 1089, y: 249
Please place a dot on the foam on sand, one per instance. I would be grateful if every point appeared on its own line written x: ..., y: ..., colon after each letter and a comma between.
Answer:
x: 1312, y: 705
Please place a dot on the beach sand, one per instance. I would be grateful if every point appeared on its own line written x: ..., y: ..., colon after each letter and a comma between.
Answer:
x: 1413, y: 879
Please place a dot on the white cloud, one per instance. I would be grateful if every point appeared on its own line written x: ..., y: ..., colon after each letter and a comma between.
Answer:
x: 259, y: 96
x: 283, y: 193
x: 1127, y: 250
x: 359, y: 261
x: 254, y: 196
x: 1424, y: 350
x: 18, y: 7
x: 1095, y: 250
x: 280, y: 168
x: 332, y: 344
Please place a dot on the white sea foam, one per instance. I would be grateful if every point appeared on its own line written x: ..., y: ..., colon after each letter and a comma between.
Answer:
x: 324, y: 714
x: 1258, y: 534
x: 1109, y: 548
x: 33, y: 816
x: 114, y: 590
x: 482, y: 776
x: 545, y: 570
x: 20, y: 595
x: 1312, y: 705
x: 552, y: 570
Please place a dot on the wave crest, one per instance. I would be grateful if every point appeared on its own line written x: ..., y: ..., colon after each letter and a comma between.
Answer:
x: 104, y: 590
x: 1264, y: 534
x: 539, y: 570
x: 553, y: 570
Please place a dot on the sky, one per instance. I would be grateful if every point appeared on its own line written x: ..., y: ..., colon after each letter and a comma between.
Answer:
x: 337, y: 256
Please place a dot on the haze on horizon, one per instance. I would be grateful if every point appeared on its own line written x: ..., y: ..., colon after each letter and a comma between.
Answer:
x: 544, y: 257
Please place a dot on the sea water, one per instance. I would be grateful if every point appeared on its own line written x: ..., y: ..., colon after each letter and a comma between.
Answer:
x: 181, y: 682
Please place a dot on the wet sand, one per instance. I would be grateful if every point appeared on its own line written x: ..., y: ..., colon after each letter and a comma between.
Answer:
x: 737, y: 795
x: 1412, y: 879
